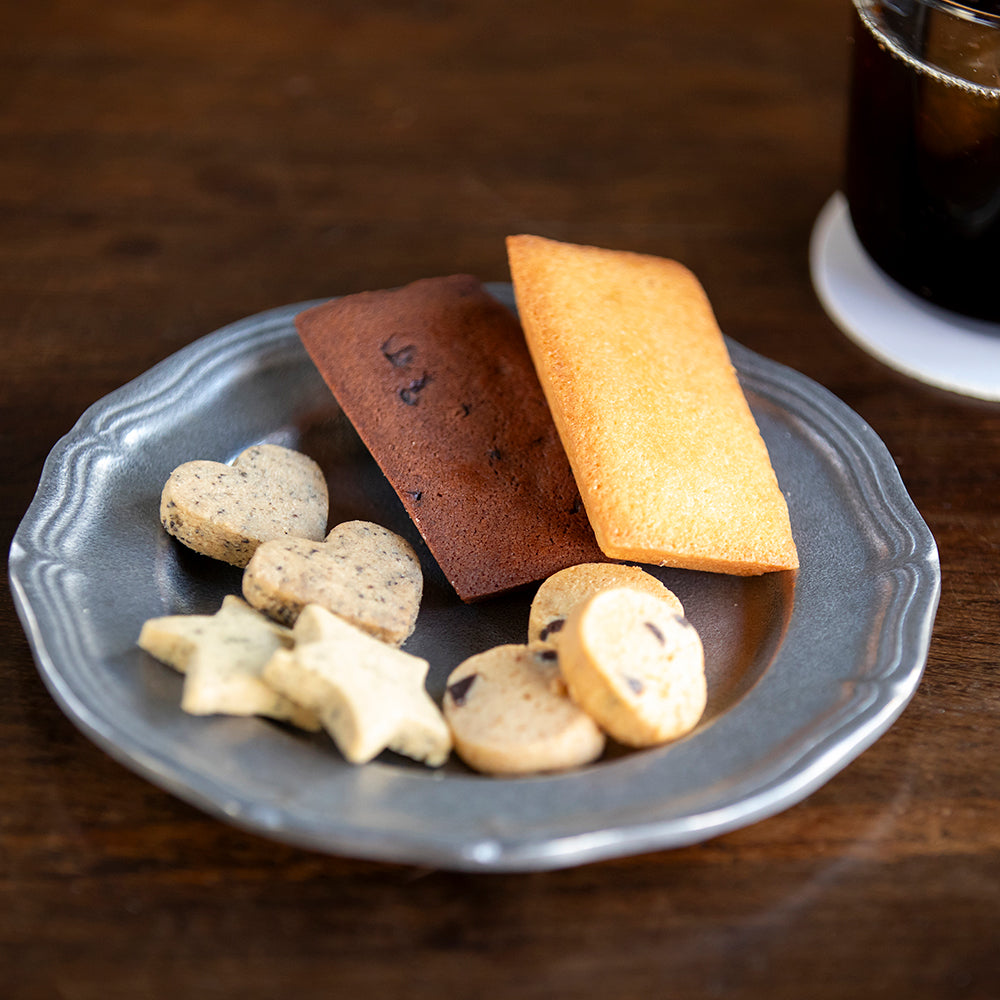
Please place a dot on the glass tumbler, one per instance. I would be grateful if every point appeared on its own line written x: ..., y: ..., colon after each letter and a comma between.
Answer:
x: 923, y: 147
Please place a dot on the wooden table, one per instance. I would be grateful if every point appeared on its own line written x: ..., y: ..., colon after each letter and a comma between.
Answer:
x: 169, y: 167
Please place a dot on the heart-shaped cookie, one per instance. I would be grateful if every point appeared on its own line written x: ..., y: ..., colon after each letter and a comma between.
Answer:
x: 227, y: 511
x: 363, y: 573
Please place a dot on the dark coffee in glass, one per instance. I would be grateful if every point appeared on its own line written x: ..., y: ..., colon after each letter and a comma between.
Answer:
x: 923, y: 151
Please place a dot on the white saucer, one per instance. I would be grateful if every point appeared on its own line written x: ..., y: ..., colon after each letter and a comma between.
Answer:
x: 921, y: 340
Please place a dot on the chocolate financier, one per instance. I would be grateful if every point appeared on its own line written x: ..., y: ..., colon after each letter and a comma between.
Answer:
x: 437, y: 380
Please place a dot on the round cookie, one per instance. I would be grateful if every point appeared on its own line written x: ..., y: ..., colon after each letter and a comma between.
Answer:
x: 635, y: 666
x: 563, y: 591
x: 509, y: 714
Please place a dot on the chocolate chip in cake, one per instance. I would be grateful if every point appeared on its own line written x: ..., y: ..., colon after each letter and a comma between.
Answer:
x: 399, y: 357
x: 410, y: 394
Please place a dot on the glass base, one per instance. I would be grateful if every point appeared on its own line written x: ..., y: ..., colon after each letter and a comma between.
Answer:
x: 903, y: 331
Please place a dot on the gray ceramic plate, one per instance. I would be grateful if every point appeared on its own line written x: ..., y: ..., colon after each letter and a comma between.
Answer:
x: 805, y: 670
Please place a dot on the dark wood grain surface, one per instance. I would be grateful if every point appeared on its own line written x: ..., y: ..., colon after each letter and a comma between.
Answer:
x: 167, y: 166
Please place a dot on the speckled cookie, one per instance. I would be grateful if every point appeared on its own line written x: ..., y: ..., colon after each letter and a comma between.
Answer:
x: 509, y: 714
x: 363, y: 572
x: 222, y: 657
x: 562, y: 591
x: 635, y: 666
x: 227, y: 511
x: 369, y: 696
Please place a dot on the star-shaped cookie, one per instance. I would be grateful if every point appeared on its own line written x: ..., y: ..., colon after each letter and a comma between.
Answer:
x: 368, y: 695
x: 222, y: 657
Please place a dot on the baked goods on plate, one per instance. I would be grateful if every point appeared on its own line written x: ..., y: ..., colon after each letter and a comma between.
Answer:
x: 437, y: 381
x: 668, y: 458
